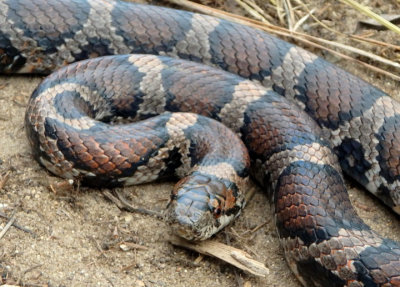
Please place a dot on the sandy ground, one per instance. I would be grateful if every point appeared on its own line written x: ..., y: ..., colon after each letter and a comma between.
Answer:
x: 76, y: 235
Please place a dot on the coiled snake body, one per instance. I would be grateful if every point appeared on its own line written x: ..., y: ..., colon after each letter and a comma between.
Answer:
x: 77, y: 123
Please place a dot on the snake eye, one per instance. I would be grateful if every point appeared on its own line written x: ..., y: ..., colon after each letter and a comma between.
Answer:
x: 217, y: 212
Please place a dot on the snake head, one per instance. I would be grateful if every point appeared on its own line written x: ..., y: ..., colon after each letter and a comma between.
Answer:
x: 201, y: 205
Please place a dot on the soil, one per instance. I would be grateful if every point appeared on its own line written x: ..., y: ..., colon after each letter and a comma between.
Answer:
x: 79, y: 238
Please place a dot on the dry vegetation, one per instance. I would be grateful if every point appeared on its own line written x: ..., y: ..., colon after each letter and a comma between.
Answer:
x: 55, y: 234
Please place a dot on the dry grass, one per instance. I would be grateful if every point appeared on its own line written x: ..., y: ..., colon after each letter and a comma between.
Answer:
x: 365, y: 10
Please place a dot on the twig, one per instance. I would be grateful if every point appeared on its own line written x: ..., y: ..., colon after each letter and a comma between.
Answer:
x: 229, y: 254
x: 279, y: 11
x: 252, y: 11
x: 108, y: 280
x: 4, y: 179
x: 303, y: 19
x: 8, y: 225
x: 249, y: 195
x: 26, y: 271
x: 198, y: 259
x: 123, y: 204
x: 102, y: 253
x: 16, y: 225
x: 259, y: 226
x: 256, y: 228
x: 289, y: 13
x: 257, y: 8
x: 32, y: 268
x: 376, y: 42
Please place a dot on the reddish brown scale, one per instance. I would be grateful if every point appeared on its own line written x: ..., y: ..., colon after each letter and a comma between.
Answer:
x: 266, y: 135
x: 186, y: 95
x: 154, y: 33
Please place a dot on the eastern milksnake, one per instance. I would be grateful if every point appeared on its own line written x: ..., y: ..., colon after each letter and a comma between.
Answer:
x: 77, y: 123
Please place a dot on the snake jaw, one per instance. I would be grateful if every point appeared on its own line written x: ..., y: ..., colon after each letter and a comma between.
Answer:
x: 195, y: 226
x: 190, y: 219
x: 190, y: 223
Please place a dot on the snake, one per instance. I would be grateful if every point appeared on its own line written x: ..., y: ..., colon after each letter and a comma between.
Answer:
x: 139, y: 92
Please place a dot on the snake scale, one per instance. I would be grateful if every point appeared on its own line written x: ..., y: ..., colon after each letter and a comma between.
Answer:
x: 81, y: 123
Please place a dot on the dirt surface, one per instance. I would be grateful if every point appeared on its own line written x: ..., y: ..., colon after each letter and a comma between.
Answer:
x: 78, y: 238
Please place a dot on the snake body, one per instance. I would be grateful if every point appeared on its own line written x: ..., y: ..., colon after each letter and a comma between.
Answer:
x: 297, y: 153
